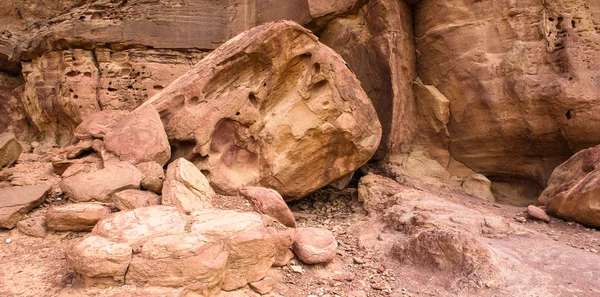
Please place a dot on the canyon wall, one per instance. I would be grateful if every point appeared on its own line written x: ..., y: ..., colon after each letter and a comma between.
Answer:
x: 505, y: 88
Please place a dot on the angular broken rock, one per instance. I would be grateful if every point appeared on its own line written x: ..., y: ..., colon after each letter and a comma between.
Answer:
x: 99, y: 185
x: 76, y: 216
x: 160, y: 246
x: 479, y: 186
x: 269, y: 202
x: 537, y: 213
x: 132, y: 199
x: 315, y: 245
x: 290, y: 117
x: 139, y: 137
x: 16, y: 202
x: 284, y: 239
x: 35, y: 226
x: 153, y: 176
x: 186, y: 187
x: 573, y: 191
x: 10, y: 149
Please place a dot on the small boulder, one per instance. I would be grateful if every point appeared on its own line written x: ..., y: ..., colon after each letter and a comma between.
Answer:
x: 98, y: 257
x: 284, y: 239
x: 132, y: 199
x: 16, y: 202
x: 479, y: 186
x: 263, y: 286
x: 99, y: 185
x: 269, y: 202
x: 10, y: 149
x: 186, y: 187
x: 537, y: 213
x: 315, y: 245
x: 35, y: 226
x: 76, y: 217
x: 153, y: 176
x: 139, y: 137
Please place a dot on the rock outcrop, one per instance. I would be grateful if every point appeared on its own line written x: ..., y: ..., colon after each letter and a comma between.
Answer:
x: 76, y: 216
x: 573, y: 191
x: 250, y: 114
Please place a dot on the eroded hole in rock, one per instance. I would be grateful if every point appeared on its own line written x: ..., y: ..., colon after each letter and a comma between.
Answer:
x: 193, y: 101
x: 183, y: 149
x: 253, y: 100
x: 317, y: 68
x: 168, y: 113
x: 515, y: 191
x: 158, y: 87
x: 73, y: 73
x: 573, y: 25
x: 568, y: 114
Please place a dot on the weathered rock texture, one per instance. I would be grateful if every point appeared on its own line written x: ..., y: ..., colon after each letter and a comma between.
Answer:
x: 10, y: 149
x: 16, y: 202
x: 291, y: 117
x: 99, y: 185
x: 76, y: 216
x: 520, y: 77
x: 573, y: 191
x: 160, y: 246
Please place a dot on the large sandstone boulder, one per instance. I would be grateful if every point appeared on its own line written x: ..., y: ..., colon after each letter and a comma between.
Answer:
x: 16, y: 202
x: 573, y: 191
x: 99, y: 185
x: 10, y: 149
x: 290, y: 117
x: 160, y: 246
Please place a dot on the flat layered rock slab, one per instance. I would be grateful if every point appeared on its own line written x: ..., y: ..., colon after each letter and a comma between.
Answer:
x: 16, y: 202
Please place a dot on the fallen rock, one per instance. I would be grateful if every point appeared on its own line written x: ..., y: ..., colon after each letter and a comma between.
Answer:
x: 537, y: 213
x: 263, y: 286
x: 76, y: 216
x: 153, y: 176
x: 139, y: 137
x: 132, y: 199
x: 179, y: 259
x: 99, y: 185
x: 10, y: 149
x: 251, y: 248
x: 70, y: 167
x: 78, y: 149
x: 99, y: 123
x: 315, y: 245
x: 186, y: 187
x: 206, y: 251
x: 16, y: 202
x: 137, y: 226
x: 292, y: 118
x: 283, y: 239
x: 99, y: 258
x: 573, y: 191
x: 269, y: 202
x: 35, y: 226
x: 479, y: 186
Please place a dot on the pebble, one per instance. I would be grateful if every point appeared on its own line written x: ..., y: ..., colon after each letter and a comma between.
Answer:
x: 297, y: 269
x: 8, y: 240
x: 358, y: 260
